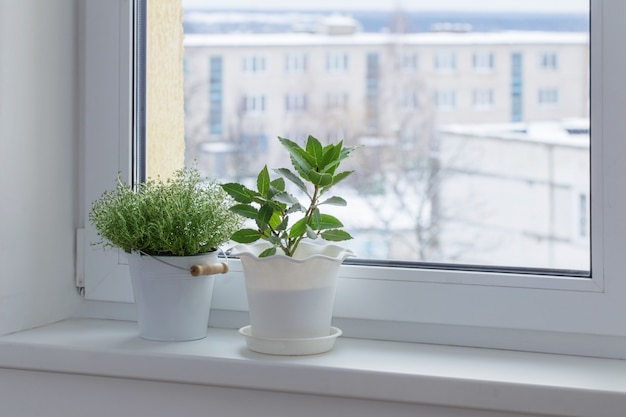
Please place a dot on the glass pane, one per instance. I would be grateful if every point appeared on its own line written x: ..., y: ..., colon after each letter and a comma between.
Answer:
x: 475, y: 124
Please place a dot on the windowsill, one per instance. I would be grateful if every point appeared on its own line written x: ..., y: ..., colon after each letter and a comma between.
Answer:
x: 368, y: 369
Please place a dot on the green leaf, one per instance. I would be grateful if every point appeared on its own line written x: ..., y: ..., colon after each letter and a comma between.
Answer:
x: 335, y: 235
x: 265, y: 213
x: 335, y: 201
x: 301, y: 160
x: 287, y: 173
x: 282, y: 225
x: 310, y: 233
x: 274, y: 220
x: 240, y: 193
x: 286, y: 198
x: 330, y: 160
x: 245, y: 210
x: 316, y: 219
x: 321, y: 179
x: 345, y: 152
x: 295, y: 208
x: 279, y: 184
x: 268, y: 252
x: 329, y: 222
x: 315, y: 149
x: 246, y: 236
x: 298, y: 229
x: 341, y: 176
x: 263, y: 181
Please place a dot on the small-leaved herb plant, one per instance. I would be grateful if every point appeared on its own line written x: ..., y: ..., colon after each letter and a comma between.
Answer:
x: 181, y: 216
x: 273, y: 208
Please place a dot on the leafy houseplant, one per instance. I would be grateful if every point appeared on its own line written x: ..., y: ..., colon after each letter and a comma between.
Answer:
x: 180, y: 216
x: 290, y: 282
x: 316, y: 167
x: 169, y: 228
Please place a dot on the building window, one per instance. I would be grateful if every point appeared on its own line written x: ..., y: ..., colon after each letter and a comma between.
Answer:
x: 483, y: 98
x: 296, y: 103
x: 409, y: 62
x: 445, y: 61
x: 548, y: 61
x: 296, y: 63
x: 337, y: 100
x: 409, y: 99
x: 372, y: 88
x: 253, y: 64
x: 445, y: 100
x: 517, y: 90
x: 483, y: 61
x: 337, y: 62
x: 548, y: 97
x: 254, y: 103
x: 215, y: 95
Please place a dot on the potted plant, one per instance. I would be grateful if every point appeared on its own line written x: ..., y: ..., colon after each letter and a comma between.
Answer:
x: 168, y: 228
x: 291, y: 280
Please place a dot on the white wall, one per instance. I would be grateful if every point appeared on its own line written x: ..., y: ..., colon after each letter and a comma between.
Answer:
x: 38, y: 160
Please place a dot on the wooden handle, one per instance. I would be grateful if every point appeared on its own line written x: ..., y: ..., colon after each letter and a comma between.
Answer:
x: 209, y: 269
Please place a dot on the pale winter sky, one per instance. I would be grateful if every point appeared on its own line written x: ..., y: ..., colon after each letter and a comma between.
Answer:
x: 437, y: 5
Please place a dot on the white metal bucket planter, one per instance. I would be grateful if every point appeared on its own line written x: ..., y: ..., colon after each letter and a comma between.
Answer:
x: 172, y: 304
x: 291, y: 300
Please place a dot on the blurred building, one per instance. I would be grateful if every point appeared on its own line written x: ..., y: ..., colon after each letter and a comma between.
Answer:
x: 392, y: 89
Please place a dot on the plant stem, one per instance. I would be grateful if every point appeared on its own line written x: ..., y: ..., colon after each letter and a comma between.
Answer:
x: 308, y: 215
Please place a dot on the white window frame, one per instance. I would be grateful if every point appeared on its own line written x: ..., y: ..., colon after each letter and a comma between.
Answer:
x: 337, y: 62
x: 296, y: 63
x: 549, y: 60
x: 548, y: 97
x: 296, y: 102
x: 560, y: 314
x: 409, y: 99
x: 483, y: 98
x: 445, y: 99
x: 409, y: 61
x: 445, y: 61
x: 253, y: 64
x: 483, y: 61
x: 254, y: 104
x: 337, y: 100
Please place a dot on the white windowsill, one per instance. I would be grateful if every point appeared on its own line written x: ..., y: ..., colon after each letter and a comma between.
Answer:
x: 368, y: 369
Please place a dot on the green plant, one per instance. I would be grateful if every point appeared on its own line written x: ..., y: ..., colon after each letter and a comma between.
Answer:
x: 181, y: 216
x: 271, y: 206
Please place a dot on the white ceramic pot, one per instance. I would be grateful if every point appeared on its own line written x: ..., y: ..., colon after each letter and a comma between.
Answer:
x: 171, y: 304
x: 291, y: 298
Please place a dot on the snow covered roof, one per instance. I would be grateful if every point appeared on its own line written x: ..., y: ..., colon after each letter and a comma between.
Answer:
x: 358, y: 38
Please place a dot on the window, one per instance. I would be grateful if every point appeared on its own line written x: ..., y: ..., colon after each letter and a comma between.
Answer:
x: 445, y: 100
x: 409, y: 62
x: 337, y: 100
x: 445, y: 61
x: 548, y: 61
x: 253, y: 64
x: 336, y: 62
x: 548, y: 97
x: 483, y: 61
x: 254, y: 103
x: 216, y: 98
x: 295, y: 103
x: 295, y: 63
x: 409, y: 100
x: 517, y: 87
x: 483, y: 98
x: 556, y: 312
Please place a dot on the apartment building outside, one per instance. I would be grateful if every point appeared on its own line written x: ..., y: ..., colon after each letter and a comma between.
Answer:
x: 391, y: 92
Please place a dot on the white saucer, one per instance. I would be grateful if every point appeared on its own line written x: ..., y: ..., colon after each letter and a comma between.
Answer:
x: 301, y: 346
